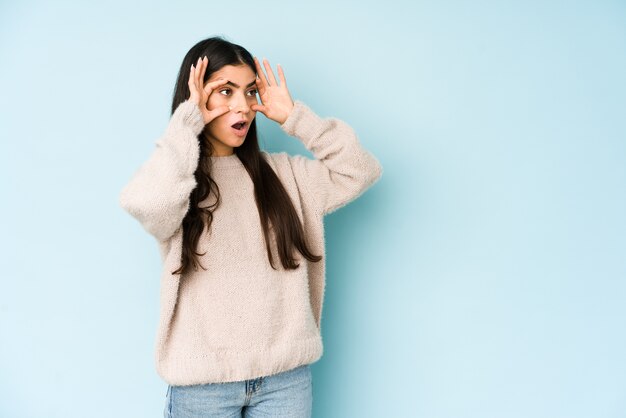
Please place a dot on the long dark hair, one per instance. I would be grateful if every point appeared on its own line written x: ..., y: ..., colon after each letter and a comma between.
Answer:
x: 275, y: 207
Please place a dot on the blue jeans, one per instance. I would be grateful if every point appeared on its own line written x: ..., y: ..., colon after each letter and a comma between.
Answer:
x: 286, y: 394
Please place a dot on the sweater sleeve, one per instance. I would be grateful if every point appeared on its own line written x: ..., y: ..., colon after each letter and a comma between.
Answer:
x: 158, y: 193
x: 342, y: 169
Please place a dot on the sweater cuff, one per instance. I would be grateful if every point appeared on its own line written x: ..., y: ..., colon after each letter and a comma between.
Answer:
x: 302, y: 122
x: 188, y: 113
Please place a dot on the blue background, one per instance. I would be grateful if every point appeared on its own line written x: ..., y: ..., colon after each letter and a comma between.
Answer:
x: 482, y: 276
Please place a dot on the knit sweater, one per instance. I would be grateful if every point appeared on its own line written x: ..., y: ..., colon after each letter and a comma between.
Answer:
x: 240, y: 319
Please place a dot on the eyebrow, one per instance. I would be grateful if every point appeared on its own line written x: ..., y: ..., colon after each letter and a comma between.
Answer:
x: 237, y: 86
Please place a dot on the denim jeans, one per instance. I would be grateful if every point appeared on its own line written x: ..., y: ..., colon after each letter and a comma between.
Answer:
x: 286, y: 394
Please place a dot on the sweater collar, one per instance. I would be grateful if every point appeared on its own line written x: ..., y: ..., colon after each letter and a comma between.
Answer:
x: 225, y: 161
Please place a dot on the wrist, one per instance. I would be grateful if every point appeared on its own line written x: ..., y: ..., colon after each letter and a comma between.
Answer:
x: 289, y: 111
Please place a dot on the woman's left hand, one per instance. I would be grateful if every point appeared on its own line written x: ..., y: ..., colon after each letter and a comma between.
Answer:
x: 277, y: 103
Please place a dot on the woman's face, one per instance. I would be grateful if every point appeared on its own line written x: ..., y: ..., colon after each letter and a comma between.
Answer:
x: 239, y: 92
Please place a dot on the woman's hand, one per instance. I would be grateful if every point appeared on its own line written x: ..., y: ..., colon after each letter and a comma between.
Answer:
x: 200, y: 95
x: 277, y: 103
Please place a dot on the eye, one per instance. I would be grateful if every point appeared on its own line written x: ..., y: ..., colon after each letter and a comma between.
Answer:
x: 253, y: 91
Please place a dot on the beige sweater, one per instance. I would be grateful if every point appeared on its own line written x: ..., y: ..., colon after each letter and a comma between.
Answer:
x: 240, y: 319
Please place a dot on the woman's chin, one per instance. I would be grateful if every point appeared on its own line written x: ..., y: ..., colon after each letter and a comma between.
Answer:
x: 237, y: 142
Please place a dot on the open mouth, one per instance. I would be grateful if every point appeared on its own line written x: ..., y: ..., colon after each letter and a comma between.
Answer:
x: 239, y: 126
x: 240, y: 129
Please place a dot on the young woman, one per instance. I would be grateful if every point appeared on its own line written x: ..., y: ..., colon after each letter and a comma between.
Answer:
x: 241, y: 236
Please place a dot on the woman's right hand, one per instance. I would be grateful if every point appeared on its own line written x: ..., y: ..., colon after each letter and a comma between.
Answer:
x: 200, y: 95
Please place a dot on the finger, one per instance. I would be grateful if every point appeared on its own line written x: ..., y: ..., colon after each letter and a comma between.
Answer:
x: 258, y: 108
x: 270, y: 72
x: 281, y: 75
x: 205, y: 63
x: 191, y: 82
x: 260, y: 86
x: 199, y: 69
x: 259, y: 72
x: 199, y: 75
x: 211, y: 85
x: 264, y: 82
x: 218, y: 111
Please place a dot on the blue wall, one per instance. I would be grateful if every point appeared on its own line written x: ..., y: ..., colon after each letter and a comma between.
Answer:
x: 483, y: 276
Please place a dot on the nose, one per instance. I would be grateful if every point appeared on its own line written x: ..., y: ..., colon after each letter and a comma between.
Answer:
x: 240, y: 104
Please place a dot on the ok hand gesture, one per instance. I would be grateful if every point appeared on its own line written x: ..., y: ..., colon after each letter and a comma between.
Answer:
x: 277, y: 103
x: 199, y: 94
